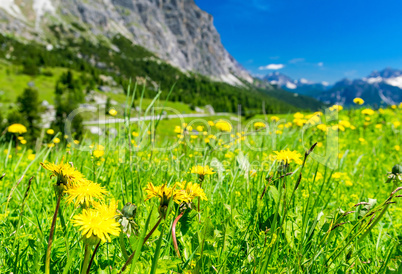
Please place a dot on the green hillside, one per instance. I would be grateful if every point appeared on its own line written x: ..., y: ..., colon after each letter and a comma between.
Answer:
x: 124, y: 61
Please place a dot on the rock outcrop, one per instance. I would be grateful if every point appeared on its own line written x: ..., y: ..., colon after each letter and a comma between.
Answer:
x: 177, y: 31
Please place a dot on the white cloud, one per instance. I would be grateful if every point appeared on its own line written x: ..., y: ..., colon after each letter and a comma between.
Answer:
x: 320, y: 64
x: 296, y: 60
x: 272, y: 66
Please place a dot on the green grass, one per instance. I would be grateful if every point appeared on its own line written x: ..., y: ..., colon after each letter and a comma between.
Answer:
x: 259, y: 217
x: 13, y: 82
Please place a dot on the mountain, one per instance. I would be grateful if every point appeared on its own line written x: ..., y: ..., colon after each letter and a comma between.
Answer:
x: 176, y: 31
x: 379, y: 88
x: 302, y: 86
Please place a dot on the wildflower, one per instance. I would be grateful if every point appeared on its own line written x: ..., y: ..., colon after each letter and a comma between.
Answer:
x: 396, y: 124
x: 202, y: 170
x: 336, y: 108
x: 223, y: 126
x: 274, y: 119
x: 50, y: 131
x: 113, y: 112
x: 200, y: 128
x: 397, y: 147
x: 76, y: 142
x: 298, y: 115
x: 259, y: 125
x: 337, y: 175
x: 322, y: 127
x: 165, y: 193
x: 85, y: 193
x: 210, y: 123
x: 368, y: 111
x: 97, y: 226
x: 287, y: 156
x: 178, y: 130
x: 56, y: 140
x: 31, y: 157
x: 358, y: 101
x: 65, y: 173
x: 17, y: 128
x: 99, y: 151
x: 193, y: 190
x: 23, y: 141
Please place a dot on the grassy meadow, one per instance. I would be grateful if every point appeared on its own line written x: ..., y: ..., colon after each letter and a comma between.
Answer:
x: 299, y: 193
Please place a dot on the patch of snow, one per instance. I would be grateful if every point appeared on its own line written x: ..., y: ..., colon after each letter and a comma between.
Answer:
x: 373, y: 80
x: 324, y: 83
x: 304, y: 81
x: 41, y: 7
x: 10, y: 7
x: 274, y: 82
x: 230, y: 79
x: 290, y: 85
x: 395, y: 81
x: 387, y: 100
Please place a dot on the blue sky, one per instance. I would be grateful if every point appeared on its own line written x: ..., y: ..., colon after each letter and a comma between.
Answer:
x: 319, y: 40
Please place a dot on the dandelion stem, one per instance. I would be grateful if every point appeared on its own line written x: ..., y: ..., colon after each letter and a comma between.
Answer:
x: 145, y: 239
x: 93, y: 257
x: 86, y: 258
x: 49, y: 245
x: 176, y: 247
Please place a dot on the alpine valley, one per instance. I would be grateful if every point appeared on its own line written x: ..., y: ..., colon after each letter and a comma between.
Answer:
x: 163, y: 43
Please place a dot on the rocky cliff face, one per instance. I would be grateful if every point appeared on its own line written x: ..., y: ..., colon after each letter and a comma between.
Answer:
x: 178, y: 31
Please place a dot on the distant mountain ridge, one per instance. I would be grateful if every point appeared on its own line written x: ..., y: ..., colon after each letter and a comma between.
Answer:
x: 378, y: 88
x: 382, y: 87
x: 301, y: 86
x: 177, y: 31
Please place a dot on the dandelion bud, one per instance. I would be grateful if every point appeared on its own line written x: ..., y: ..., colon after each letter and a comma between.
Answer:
x: 129, y: 210
x: 397, y: 169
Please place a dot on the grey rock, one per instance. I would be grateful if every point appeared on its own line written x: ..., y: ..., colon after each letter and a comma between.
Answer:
x: 177, y: 31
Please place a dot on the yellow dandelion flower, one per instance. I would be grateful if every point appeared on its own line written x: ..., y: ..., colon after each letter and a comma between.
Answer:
x: 56, y: 140
x: 287, y: 156
x: 98, y: 153
x: 368, y: 111
x: 202, y: 170
x: 50, y: 131
x: 275, y: 119
x: 95, y: 225
x: 193, y: 190
x: 85, y: 193
x: 113, y: 112
x: 336, y: 108
x: 31, y: 157
x: 65, y: 173
x: 23, y: 142
x: 199, y: 128
x: 165, y: 193
x: 178, y: 130
x: 358, y: 101
x: 17, y: 128
x: 322, y: 127
x: 223, y: 126
x: 259, y: 125
x: 211, y: 124
x: 397, y: 147
x: 298, y: 115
